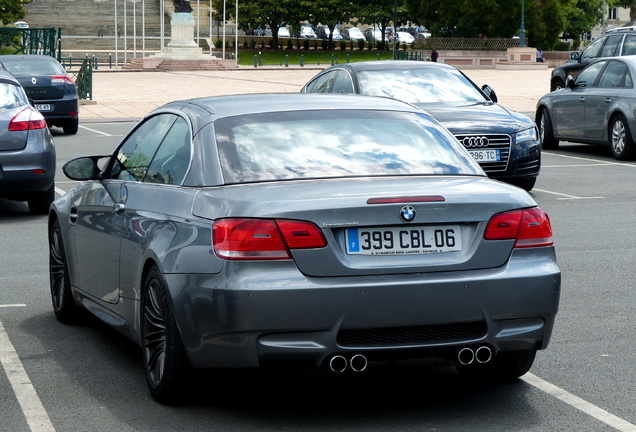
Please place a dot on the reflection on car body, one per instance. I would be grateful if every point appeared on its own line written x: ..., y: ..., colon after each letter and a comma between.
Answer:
x: 504, y: 142
x: 333, y: 237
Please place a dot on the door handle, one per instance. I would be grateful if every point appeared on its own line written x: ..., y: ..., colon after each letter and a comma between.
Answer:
x: 608, y: 100
x: 582, y: 99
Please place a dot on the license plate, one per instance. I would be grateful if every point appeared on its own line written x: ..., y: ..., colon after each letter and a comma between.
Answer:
x: 43, y: 107
x: 404, y: 240
x: 485, y: 155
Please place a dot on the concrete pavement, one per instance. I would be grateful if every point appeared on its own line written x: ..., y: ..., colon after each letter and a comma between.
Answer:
x: 122, y: 95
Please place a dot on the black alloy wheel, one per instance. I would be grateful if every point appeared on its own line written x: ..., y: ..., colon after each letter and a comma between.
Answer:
x: 64, y: 306
x: 165, y: 361
x: 557, y: 84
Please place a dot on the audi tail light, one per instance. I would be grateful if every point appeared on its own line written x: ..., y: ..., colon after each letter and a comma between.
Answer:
x: 528, y: 227
x: 263, y: 239
x: 27, y: 119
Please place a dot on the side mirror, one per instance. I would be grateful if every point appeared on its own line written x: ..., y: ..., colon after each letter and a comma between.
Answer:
x: 575, y: 56
x: 83, y: 168
x: 569, y: 82
x: 489, y: 92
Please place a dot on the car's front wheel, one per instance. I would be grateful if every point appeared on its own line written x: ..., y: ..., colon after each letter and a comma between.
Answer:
x: 621, y: 139
x: 546, y: 133
x: 557, y: 84
x: 164, y: 357
x: 64, y: 306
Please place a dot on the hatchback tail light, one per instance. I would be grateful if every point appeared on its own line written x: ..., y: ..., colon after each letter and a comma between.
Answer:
x: 528, y: 227
x: 27, y: 119
x: 263, y: 239
x: 61, y: 79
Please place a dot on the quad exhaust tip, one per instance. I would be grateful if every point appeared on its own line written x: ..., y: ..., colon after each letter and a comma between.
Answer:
x: 481, y: 355
x: 356, y: 363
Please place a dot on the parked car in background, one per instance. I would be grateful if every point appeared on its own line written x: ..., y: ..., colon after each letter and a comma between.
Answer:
x: 283, y: 32
x: 325, y: 230
x: 505, y: 143
x: 21, y: 24
x: 619, y: 41
x: 323, y: 33
x: 306, y: 32
x: 27, y: 152
x: 404, y: 38
x: 47, y: 84
x: 373, y: 34
x: 595, y: 108
x: 353, y: 34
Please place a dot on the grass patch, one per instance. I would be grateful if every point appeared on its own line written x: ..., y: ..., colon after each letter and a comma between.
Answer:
x: 310, y: 57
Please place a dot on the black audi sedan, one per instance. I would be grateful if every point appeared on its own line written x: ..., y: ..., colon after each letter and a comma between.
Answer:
x: 47, y: 84
x: 505, y: 143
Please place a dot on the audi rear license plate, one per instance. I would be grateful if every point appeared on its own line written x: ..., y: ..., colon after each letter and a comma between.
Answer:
x: 485, y: 155
x: 402, y: 240
x: 43, y: 107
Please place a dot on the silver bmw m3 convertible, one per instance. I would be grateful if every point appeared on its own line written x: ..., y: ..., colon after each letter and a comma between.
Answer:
x: 241, y: 231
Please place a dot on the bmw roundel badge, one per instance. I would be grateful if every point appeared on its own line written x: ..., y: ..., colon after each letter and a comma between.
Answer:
x: 407, y: 213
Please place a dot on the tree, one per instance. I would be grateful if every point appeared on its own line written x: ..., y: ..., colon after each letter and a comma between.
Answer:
x: 380, y: 12
x: 12, y: 10
x: 330, y: 13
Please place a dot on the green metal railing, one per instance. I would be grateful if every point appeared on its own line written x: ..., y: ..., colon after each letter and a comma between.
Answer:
x: 45, y: 41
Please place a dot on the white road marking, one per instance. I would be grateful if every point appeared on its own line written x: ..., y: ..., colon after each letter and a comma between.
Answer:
x: 566, y: 196
x: 32, y: 408
x: 95, y: 131
x: 60, y: 191
x: 12, y: 305
x: 580, y: 404
x: 595, y: 161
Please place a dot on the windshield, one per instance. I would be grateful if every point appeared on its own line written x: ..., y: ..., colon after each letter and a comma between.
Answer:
x: 338, y: 143
x: 419, y: 85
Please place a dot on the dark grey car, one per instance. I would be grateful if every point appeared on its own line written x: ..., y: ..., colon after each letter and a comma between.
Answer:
x: 616, y: 42
x: 505, y: 143
x: 242, y: 231
x: 596, y: 108
x: 27, y: 153
x: 47, y: 84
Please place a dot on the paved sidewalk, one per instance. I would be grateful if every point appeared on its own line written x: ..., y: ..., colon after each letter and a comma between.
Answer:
x: 130, y: 95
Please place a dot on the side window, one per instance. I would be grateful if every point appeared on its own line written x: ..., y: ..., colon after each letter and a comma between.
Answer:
x: 135, y: 154
x: 588, y: 76
x: 172, y: 160
x: 11, y: 96
x: 609, y: 49
x: 322, y: 84
x: 343, y: 83
x: 629, y: 46
x: 613, y: 75
x: 593, y: 49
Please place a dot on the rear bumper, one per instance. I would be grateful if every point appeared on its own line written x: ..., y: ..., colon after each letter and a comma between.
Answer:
x: 266, y: 313
x: 17, y: 176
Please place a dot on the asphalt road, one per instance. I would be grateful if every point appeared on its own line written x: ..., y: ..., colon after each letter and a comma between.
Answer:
x: 86, y: 377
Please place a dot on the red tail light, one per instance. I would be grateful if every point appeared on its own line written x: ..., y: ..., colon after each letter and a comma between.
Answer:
x: 529, y: 228
x: 263, y: 239
x: 61, y: 79
x: 27, y: 119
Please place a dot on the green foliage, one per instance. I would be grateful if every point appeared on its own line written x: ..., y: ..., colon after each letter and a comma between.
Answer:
x: 12, y: 10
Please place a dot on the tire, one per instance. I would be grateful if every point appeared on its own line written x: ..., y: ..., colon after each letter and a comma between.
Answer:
x: 40, y: 202
x: 64, y: 306
x: 506, y: 366
x: 621, y: 140
x: 165, y: 361
x: 557, y: 84
x: 71, y: 126
x: 546, y: 132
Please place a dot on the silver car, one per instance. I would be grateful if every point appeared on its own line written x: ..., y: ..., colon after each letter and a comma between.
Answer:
x: 596, y: 108
x: 241, y: 231
x: 27, y: 152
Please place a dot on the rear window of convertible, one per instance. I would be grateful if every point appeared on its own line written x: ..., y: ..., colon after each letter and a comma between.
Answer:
x: 336, y: 143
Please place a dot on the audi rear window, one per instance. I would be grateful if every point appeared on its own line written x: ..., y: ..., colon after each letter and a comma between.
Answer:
x: 337, y: 143
x: 11, y: 96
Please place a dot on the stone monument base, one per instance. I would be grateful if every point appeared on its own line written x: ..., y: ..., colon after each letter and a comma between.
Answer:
x: 182, y: 45
x: 521, y: 58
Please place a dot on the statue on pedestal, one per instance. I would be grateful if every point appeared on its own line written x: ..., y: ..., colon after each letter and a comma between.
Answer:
x: 182, y: 6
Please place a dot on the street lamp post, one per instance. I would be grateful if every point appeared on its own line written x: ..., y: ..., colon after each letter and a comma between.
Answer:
x: 522, y: 31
